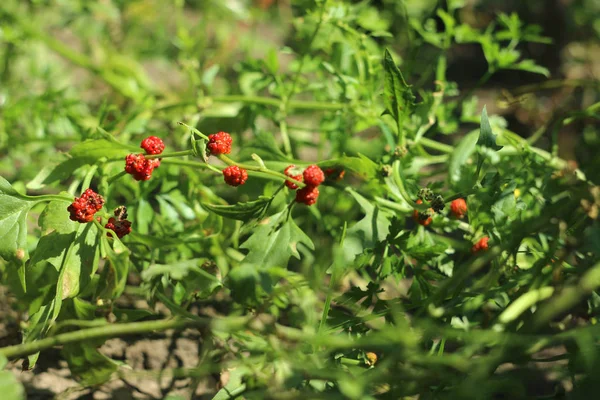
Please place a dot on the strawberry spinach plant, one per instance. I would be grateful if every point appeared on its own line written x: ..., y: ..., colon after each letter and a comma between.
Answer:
x: 332, y: 214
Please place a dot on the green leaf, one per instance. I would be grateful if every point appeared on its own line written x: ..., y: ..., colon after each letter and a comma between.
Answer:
x: 243, y: 281
x: 13, y: 224
x: 531, y: 66
x: 460, y: 156
x: 361, y: 165
x: 87, y: 365
x: 191, y: 273
x: 398, y: 96
x: 79, y: 263
x: 486, y: 136
x: 55, y: 217
x: 234, y: 385
x: 87, y: 152
x: 10, y: 387
x: 241, y: 211
x: 373, y: 228
x: 274, y: 241
x: 116, y: 270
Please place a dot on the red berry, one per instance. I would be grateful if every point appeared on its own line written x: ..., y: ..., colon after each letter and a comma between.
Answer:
x: 234, y: 175
x: 119, y: 227
x: 140, y: 167
x: 423, y: 218
x: 289, y: 171
x: 482, y: 244
x: 307, y: 195
x: 153, y: 145
x: 219, y: 143
x: 313, y: 175
x: 458, y: 208
x: 83, y: 208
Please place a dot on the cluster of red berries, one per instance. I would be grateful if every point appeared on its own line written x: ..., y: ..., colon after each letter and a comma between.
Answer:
x: 219, y: 143
x: 119, y: 223
x: 312, y: 176
x: 140, y: 167
x: 83, y: 208
x: 234, y: 175
x: 437, y: 205
x: 481, y: 245
x: 458, y: 208
x: 423, y: 218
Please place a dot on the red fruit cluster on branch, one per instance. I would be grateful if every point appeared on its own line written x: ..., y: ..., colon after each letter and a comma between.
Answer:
x: 140, y: 167
x: 423, y: 218
x: 458, y: 208
x: 219, y: 143
x: 481, y: 245
x: 234, y: 175
x: 307, y: 195
x: 312, y: 176
x: 120, y: 227
x: 290, y: 171
x: 83, y: 208
x: 153, y: 145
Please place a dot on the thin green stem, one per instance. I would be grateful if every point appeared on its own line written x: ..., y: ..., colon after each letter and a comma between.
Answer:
x: 182, y: 153
x: 262, y: 170
x: 118, y: 330
x: 49, y: 197
x: 301, y: 105
x: 116, y: 177
x: 433, y: 144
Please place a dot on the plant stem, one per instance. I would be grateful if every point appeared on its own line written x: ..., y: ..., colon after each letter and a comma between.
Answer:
x: 248, y: 167
x: 118, y: 330
x: 182, y: 153
x: 258, y: 100
x: 116, y: 177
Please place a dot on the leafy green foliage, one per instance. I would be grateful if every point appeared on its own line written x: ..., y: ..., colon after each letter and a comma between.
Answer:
x: 356, y: 296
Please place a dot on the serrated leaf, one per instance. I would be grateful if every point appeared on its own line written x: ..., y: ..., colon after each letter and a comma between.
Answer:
x: 373, y: 228
x: 274, y: 241
x: 486, y: 136
x: 398, y: 96
x: 241, y: 211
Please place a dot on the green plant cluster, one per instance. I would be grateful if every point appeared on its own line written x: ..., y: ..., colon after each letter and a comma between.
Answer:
x: 352, y: 297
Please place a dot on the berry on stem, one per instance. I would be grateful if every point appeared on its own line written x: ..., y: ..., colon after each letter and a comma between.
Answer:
x: 481, y: 245
x: 153, y: 145
x: 423, y: 218
x: 458, y: 208
x: 313, y: 175
x: 83, y: 208
x: 219, y: 143
x: 119, y: 227
x: 234, y: 175
x: 289, y: 171
x: 140, y: 167
x: 307, y: 195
